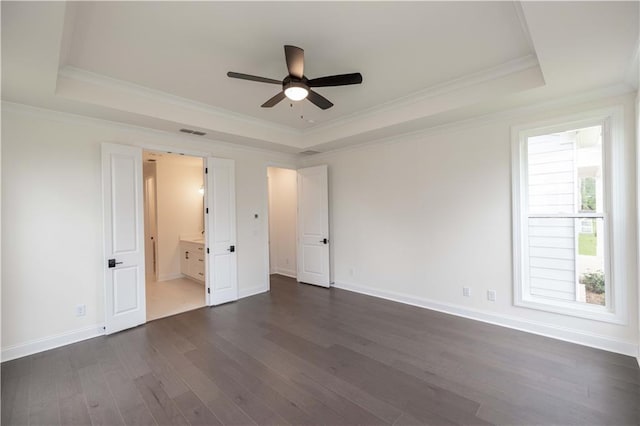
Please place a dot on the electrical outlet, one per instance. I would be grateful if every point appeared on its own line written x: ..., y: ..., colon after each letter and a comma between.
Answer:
x: 491, y: 295
x: 81, y: 310
x: 466, y: 291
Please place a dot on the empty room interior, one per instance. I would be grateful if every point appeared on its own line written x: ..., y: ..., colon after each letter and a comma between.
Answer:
x: 336, y: 213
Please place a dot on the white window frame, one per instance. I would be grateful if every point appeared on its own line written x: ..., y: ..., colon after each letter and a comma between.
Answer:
x: 615, y: 309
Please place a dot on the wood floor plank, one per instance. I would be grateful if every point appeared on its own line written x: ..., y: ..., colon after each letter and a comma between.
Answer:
x: 15, y: 400
x: 73, y: 410
x: 194, y: 410
x: 163, y: 409
x: 301, y: 354
x: 269, y: 393
x: 205, y: 389
x: 240, y: 395
x: 127, y: 397
x: 307, y: 401
x: 100, y: 403
x: 293, y: 366
x: 44, y: 413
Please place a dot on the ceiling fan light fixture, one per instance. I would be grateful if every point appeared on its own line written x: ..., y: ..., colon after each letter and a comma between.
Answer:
x: 296, y: 91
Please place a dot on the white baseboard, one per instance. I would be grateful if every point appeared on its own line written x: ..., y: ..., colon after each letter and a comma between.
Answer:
x: 534, y: 327
x: 252, y: 291
x: 51, y: 342
x: 169, y: 277
x: 286, y: 272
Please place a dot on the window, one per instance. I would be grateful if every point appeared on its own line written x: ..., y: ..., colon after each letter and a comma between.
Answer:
x: 565, y: 219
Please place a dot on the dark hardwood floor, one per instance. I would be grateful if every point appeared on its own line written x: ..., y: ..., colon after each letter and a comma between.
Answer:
x: 307, y: 355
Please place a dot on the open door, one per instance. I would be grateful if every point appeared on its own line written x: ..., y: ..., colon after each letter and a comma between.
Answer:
x: 221, y: 231
x: 123, y: 236
x: 313, y: 226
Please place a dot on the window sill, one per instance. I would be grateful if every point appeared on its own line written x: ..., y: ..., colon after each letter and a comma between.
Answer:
x: 573, y: 309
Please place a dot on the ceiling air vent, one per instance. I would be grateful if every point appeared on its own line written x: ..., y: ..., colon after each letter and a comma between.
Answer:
x: 193, y: 132
x: 310, y: 152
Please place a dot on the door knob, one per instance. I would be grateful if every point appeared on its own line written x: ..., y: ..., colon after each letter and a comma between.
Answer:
x: 232, y: 249
x: 112, y: 263
x: 324, y: 241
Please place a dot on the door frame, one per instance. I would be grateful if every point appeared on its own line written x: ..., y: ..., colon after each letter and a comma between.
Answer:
x: 171, y: 150
x: 278, y: 165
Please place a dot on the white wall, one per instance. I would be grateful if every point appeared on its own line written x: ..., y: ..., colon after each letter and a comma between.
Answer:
x: 418, y: 218
x: 179, y: 208
x: 283, y: 204
x: 52, y: 243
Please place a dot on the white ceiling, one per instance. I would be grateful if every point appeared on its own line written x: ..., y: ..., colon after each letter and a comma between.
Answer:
x: 163, y: 64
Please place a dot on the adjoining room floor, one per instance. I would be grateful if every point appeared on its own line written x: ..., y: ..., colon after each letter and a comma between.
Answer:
x: 165, y: 298
x: 307, y: 355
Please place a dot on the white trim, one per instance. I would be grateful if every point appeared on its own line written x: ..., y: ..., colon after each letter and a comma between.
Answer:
x: 74, y: 73
x: 508, y: 113
x: 252, y: 291
x: 560, y: 333
x: 612, y: 121
x: 170, y: 137
x: 487, y: 75
x: 51, y: 342
x: 286, y: 272
x: 169, y: 277
x: 524, y: 25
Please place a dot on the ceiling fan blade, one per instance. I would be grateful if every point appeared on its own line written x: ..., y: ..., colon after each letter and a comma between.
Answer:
x: 252, y: 78
x: 336, y: 80
x: 319, y: 100
x: 274, y: 100
x: 295, y: 60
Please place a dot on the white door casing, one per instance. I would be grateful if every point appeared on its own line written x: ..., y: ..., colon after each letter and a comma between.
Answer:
x: 313, y: 226
x: 221, y: 231
x: 123, y: 237
x: 150, y: 220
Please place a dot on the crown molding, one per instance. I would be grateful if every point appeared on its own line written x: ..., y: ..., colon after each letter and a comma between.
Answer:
x: 166, y: 137
x: 101, y: 80
x: 87, y: 86
x: 513, y: 113
x: 517, y: 5
x: 484, y: 76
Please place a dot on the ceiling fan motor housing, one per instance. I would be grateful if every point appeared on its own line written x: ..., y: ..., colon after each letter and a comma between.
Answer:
x: 290, y: 81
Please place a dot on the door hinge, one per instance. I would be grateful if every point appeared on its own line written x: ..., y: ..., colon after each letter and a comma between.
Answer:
x: 206, y: 210
x: 208, y: 290
x: 207, y: 250
x: 206, y: 170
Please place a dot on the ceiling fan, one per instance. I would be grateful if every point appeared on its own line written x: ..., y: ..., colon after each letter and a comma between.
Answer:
x: 296, y: 86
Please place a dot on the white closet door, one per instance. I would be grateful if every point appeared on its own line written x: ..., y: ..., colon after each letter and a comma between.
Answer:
x: 313, y: 226
x: 123, y: 236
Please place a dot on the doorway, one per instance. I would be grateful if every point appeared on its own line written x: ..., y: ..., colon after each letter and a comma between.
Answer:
x: 174, y: 230
x: 283, y: 205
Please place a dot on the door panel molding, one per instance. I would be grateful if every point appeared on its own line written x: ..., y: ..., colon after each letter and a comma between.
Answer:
x: 222, y: 260
x: 123, y: 210
x: 313, y: 226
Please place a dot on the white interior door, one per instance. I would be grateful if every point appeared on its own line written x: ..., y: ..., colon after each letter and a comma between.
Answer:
x: 222, y: 260
x: 313, y: 226
x: 123, y: 236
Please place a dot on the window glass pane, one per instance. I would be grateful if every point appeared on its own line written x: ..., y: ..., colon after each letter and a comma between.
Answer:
x: 566, y: 259
x: 565, y: 172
